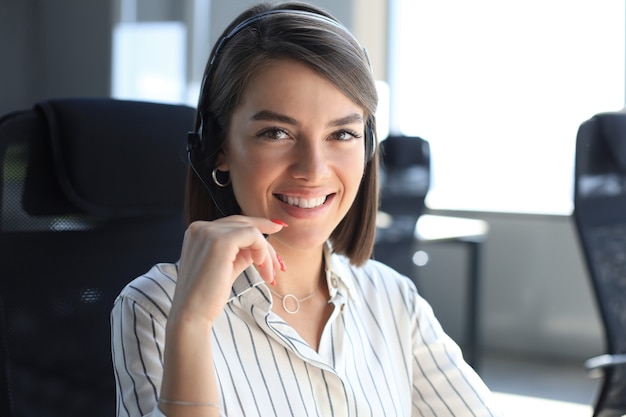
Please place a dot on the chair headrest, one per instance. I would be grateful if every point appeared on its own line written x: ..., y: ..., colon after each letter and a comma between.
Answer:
x: 612, y: 128
x: 401, y: 152
x: 113, y: 158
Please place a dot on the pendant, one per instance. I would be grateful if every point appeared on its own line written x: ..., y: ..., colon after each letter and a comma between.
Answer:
x: 295, y: 302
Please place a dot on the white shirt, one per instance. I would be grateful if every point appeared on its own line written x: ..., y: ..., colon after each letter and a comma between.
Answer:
x: 382, y: 352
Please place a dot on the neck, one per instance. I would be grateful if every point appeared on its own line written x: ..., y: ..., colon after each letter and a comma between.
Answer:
x: 304, y: 271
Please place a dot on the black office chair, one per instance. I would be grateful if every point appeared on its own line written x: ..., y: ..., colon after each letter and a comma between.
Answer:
x: 91, y: 194
x: 600, y: 218
x: 404, y: 184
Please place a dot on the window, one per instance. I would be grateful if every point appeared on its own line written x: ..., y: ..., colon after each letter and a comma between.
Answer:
x: 499, y: 88
x: 149, y: 61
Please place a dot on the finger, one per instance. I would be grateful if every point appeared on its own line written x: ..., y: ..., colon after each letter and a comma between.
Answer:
x: 278, y: 262
x: 266, y: 226
x: 267, y: 272
x: 275, y: 258
x: 267, y: 262
x: 238, y: 238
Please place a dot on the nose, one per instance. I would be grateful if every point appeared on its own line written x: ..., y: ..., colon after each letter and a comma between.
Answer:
x: 311, y: 161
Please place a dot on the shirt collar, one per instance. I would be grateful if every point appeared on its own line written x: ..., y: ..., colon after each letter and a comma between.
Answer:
x: 339, y: 278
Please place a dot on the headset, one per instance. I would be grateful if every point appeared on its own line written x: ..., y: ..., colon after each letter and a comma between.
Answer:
x: 195, y: 140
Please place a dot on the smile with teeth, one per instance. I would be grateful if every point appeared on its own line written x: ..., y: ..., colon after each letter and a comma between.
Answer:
x: 307, y: 203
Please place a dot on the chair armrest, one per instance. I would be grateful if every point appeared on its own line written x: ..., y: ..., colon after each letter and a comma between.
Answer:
x: 595, y: 365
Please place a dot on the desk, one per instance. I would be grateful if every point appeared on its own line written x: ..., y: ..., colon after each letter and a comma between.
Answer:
x: 472, y: 233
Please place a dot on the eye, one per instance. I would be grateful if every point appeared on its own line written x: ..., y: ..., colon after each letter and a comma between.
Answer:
x: 345, y: 135
x: 275, y: 133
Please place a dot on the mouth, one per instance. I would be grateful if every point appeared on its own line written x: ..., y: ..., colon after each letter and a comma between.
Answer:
x: 301, y: 202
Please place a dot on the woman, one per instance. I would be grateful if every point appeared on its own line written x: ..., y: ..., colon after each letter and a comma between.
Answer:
x: 274, y: 307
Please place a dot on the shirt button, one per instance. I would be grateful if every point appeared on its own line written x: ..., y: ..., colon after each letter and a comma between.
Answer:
x: 333, y: 282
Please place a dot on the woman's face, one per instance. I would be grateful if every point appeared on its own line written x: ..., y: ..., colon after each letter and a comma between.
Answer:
x: 295, y: 152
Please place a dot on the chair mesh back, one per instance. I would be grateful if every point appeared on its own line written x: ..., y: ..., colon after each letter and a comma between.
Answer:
x: 600, y: 216
x: 62, y: 266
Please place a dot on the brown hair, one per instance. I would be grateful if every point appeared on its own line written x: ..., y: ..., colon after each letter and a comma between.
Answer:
x: 328, y: 49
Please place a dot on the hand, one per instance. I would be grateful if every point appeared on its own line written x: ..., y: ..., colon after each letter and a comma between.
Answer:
x: 213, y: 255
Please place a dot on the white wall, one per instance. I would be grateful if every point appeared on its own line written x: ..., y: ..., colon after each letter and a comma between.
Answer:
x: 536, y: 298
x: 52, y: 49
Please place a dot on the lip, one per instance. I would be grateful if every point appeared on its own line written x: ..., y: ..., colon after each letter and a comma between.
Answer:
x: 309, y: 208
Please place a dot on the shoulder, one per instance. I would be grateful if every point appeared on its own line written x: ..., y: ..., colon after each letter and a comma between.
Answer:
x: 373, y: 279
x: 152, y: 291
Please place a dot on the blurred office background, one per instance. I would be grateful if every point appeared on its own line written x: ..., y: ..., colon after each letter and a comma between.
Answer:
x: 498, y: 88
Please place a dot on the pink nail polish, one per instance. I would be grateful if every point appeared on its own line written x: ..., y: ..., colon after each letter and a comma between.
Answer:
x: 282, y: 264
x: 280, y: 222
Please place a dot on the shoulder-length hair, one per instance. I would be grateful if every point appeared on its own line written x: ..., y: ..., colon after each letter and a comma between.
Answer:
x: 311, y: 36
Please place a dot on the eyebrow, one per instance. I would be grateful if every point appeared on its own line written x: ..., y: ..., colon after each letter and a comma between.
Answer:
x: 349, y: 119
x: 268, y: 115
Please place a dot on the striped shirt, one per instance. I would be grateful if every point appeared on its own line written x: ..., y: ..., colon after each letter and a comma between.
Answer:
x: 382, y: 352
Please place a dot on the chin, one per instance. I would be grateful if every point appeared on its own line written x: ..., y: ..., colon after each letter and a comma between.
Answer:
x: 304, y: 239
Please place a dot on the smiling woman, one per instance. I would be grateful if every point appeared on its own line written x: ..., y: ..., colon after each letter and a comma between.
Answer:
x: 291, y: 157
x: 275, y: 307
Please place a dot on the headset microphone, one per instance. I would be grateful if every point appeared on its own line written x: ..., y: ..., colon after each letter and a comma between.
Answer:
x: 194, y: 144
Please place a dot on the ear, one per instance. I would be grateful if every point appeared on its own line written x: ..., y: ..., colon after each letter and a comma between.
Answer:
x: 221, y: 162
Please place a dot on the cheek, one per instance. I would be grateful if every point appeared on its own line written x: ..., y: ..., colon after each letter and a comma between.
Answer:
x: 352, y: 175
x: 250, y: 181
x: 254, y: 171
x: 355, y: 166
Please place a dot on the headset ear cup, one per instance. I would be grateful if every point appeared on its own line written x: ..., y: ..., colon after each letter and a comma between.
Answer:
x: 197, y: 141
x: 194, y: 137
x: 370, y: 141
x: 194, y: 142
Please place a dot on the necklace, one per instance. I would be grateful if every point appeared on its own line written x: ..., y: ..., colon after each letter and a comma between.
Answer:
x: 292, y: 299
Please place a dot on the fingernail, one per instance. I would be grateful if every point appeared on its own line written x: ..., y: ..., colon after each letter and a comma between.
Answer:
x: 280, y: 222
x: 282, y: 264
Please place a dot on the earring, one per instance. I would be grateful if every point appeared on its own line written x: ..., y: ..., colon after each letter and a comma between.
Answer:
x: 216, y: 181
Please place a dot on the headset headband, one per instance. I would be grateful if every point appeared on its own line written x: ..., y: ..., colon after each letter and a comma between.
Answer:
x: 195, y: 140
x: 249, y: 21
